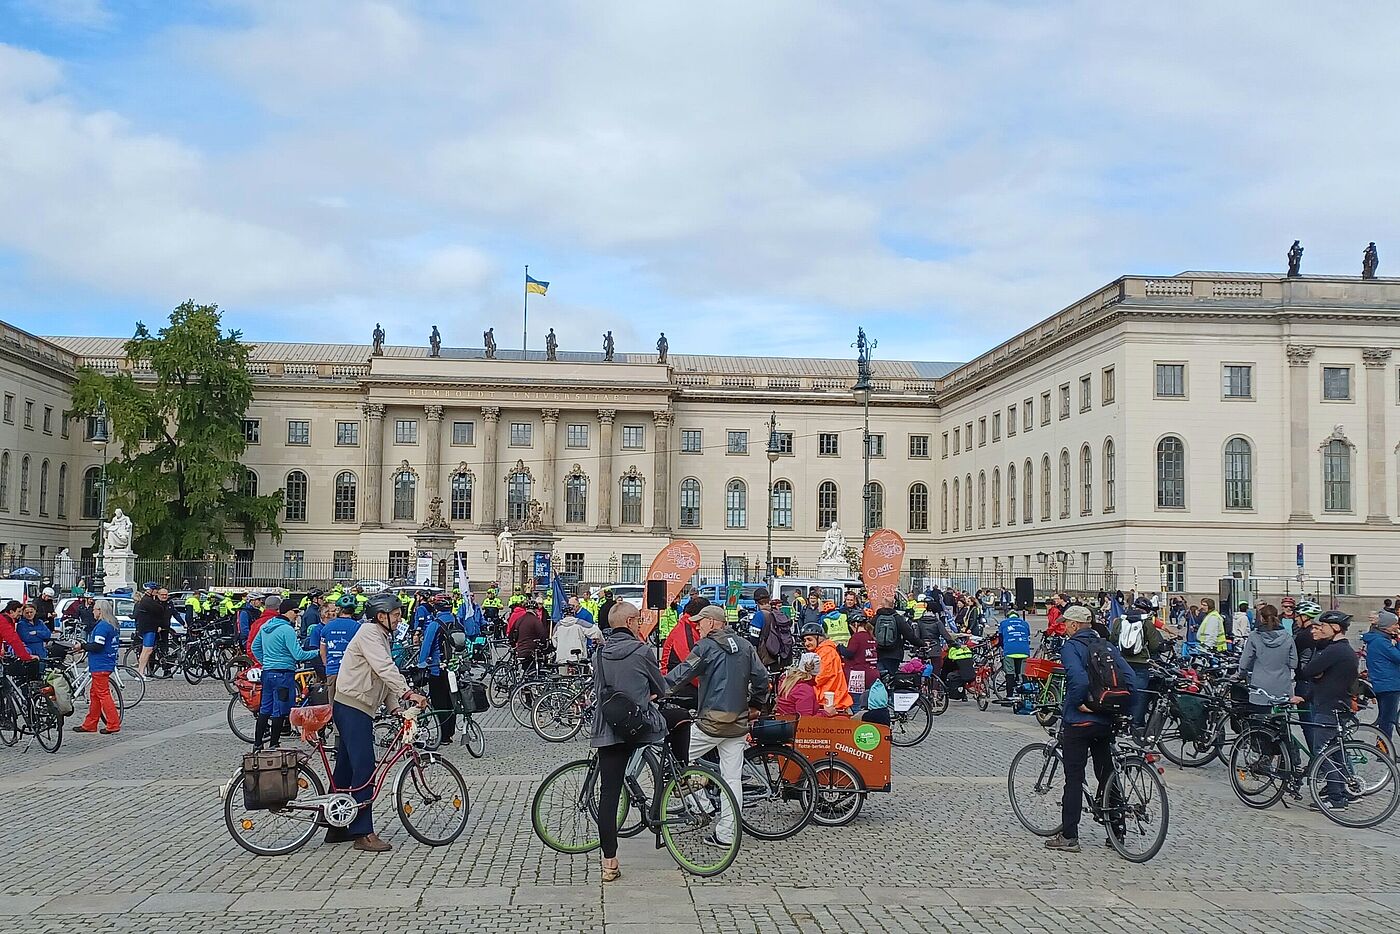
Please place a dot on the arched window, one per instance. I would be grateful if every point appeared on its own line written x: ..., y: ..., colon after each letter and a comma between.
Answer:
x: 5, y: 482
x: 1064, y: 483
x: 518, y: 488
x: 62, y: 490
x: 1086, y: 481
x: 294, y: 498
x: 249, y: 486
x: 690, y: 503
x: 1028, y: 500
x: 943, y: 508
x: 460, y: 497
x: 1011, y: 494
x: 632, y: 500
x: 92, y: 488
x: 1109, y: 480
x: 24, y: 484
x: 875, y: 506
x: 781, y: 505
x: 967, y: 506
x: 957, y: 504
x: 918, y: 508
x: 1171, y: 473
x: 981, y: 499
x: 44, y: 488
x: 996, y: 497
x: 1336, y: 476
x: 1239, y: 474
x: 405, y: 493
x: 576, y: 498
x: 1045, y: 488
x: 343, y: 505
x: 826, y: 504
x: 736, y: 505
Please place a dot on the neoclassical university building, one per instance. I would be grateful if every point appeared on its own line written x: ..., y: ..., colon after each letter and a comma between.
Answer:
x: 1156, y: 432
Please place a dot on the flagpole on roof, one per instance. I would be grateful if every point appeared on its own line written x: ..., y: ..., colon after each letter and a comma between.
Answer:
x: 525, y: 323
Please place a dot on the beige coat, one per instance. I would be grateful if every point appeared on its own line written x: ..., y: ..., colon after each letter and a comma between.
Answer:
x: 368, y: 676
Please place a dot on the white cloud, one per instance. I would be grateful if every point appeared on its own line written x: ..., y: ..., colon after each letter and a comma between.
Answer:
x: 81, y: 14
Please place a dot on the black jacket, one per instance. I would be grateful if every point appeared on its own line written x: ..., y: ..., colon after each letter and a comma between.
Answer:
x: 908, y: 635
x: 151, y: 615
x: 1330, y: 675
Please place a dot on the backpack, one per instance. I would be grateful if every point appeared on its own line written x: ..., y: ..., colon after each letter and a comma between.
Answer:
x: 886, y: 630
x: 1108, y: 694
x: 1130, y: 634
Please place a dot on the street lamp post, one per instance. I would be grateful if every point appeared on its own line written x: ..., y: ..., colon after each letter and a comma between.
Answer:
x: 99, y: 439
x: 773, y: 453
x: 861, y: 393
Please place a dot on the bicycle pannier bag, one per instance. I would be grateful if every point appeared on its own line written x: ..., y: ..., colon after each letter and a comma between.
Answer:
x: 1191, y: 714
x: 269, y: 779
x: 1108, y: 693
x: 62, y: 694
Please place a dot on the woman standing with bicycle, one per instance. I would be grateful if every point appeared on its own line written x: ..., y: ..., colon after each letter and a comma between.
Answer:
x: 626, y: 668
x: 102, y: 646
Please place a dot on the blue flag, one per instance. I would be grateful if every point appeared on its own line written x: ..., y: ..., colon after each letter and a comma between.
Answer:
x: 1115, y: 609
x: 556, y: 612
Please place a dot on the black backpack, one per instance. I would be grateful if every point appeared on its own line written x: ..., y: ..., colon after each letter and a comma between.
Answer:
x: 886, y: 630
x: 1108, y: 693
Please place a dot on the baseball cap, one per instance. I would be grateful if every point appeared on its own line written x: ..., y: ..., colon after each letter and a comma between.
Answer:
x: 711, y: 612
x: 150, y: 585
x: 1078, y: 614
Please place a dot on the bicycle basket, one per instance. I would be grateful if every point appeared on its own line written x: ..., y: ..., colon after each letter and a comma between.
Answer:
x: 773, y: 732
x: 269, y: 779
x: 1039, y: 669
x: 310, y: 719
x: 459, y: 639
x: 471, y: 697
x: 24, y: 672
x: 906, y: 682
x: 1191, y: 714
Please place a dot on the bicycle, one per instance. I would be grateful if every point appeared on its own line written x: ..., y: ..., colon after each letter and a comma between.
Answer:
x: 1268, y: 762
x: 1131, y: 803
x: 242, y: 713
x: 127, y: 686
x: 559, y: 714
x: 426, y: 786
x: 911, y: 709
x: 26, y: 706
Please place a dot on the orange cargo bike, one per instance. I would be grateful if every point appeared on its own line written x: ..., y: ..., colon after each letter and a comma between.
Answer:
x: 851, y: 758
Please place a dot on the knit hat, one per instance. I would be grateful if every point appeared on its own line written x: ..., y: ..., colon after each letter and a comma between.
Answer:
x: 1386, y: 619
x: 273, y: 602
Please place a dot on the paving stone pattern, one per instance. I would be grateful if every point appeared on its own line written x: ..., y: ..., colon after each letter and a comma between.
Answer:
x: 941, y: 852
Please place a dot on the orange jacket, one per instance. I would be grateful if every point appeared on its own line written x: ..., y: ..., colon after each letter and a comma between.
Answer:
x: 832, y: 677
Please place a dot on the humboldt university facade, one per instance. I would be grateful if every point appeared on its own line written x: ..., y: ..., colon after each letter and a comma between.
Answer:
x: 1157, y: 432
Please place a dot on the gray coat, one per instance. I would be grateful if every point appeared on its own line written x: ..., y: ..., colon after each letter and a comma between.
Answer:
x: 732, y: 679
x: 626, y: 665
x: 1268, y: 658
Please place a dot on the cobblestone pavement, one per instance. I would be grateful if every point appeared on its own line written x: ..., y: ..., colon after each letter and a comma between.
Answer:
x: 126, y: 834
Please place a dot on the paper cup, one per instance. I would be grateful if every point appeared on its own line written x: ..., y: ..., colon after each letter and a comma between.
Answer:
x: 830, y: 697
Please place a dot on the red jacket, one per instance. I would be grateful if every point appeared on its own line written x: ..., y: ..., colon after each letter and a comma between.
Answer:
x: 9, y: 635
x: 257, y: 624
x: 679, y: 644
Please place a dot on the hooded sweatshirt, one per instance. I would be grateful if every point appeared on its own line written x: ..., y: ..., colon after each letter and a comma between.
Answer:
x: 1269, y: 659
x: 625, y: 665
x: 1382, y: 661
x: 572, y: 634
x: 276, y: 645
x: 732, y: 679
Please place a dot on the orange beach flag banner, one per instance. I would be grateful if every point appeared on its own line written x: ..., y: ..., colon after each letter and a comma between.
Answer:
x: 880, y: 563
x: 675, y: 564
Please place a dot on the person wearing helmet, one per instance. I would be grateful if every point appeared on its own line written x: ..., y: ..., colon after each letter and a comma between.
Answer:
x: 348, y: 606
x: 1327, y: 678
x: 1288, y: 613
x: 836, y: 624
x: 366, y: 679
x: 43, y: 606
x: 1135, y: 633
x: 249, y: 611
x: 830, y: 681
x: 336, y: 633
x: 152, y: 616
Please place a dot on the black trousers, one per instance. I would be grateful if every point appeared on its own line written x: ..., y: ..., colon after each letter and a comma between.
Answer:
x: 440, y: 694
x: 1079, y: 742
x: 612, y: 767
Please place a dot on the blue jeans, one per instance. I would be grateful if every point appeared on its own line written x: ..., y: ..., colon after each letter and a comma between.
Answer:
x: 354, y: 763
x: 1320, y: 731
x: 1141, y: 675
x: 1387, y: 711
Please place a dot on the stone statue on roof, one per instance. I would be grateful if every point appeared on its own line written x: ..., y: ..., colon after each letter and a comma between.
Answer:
x: 663, y: 347
x: 608, y: 347
x: 378, y: 348
x: 488, y: 340
x: 1295, y: 260
x: 1370, y: 261
x: 434, y: 343
x: 551, y: 346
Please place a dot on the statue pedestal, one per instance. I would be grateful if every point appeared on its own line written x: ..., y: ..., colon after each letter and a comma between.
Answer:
x: 443, y: 545
x: 119, y: 571
x: 832, y: 569
x: 527, y: 542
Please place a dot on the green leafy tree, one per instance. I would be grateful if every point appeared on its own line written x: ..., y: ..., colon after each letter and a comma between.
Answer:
x: 180, y: 434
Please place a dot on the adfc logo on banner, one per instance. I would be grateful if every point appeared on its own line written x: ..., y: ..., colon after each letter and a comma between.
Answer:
x: 675, y: 564
x: 880, y: 563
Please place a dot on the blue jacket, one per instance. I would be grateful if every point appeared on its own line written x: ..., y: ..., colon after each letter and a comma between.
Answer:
x: 421, y: 615
x: 430, y: 653
x: 1075, y: 658
x: 310, y: 619
x: 1382, y: 661
x: 336, y: 636
x: 1015, y: 637
x: 102, y: 646
x: 246, y: 614
x: 277, y: 647
x: 35, y: 636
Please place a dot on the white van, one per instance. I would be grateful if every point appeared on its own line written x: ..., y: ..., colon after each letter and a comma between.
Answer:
x: 784, y: 588
x: 20, y: 590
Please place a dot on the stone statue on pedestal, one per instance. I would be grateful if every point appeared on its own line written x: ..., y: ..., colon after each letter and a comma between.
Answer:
x: 833, y: 545
x: 1370, y: 261
x: 608, y: 347
x: 378, y: 349
x: 434, y: 343
x: 1295, y: 260
x: 488, y: 340
x: 505, y: 548
x: 116, y: 535
x: 551, y: 346
x: 663, y: 347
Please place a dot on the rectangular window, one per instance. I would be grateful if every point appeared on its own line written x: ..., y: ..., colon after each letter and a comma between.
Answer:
x: 631, y: 569
x: 982, y: 432
x: 48, y: 419
x: 400, y: 564
x: 298, y: 431
x: 9, y: 409
x: 1028, y: 415
x: 692, y: 441
x: 1240, y: 562
x: 29, y: 414
x: 783, y: 441
x: 521, y: 434
x: 1343, y: 575
x: 342, y: 565
x: 464, y: 433
x: 967, y: 435
x: 1171, y: 381
x: 347, y: 434
x: 293, y: 563
x: 1238, y: 382
x: 1064, y: 401
x: 1109, y: 388
x: 577, y: 436
x: 782, y: 564
x: 573, y: 564
x: 63, y: 423
x: 918, y: 446
x: 945, y: 444
x: 957, y: 440
x: 996, y: 427
x: 1086, y: 389
x: 405, y: 431
x: 876, y: 445
x: 1011, y: 421
x: 252, y: 430
x: 829, y: 444
x: 736, y: 442
x: 633, y: 438
x: 1336, y: 384
x: 1174, y: 570
x: 1045, y: 408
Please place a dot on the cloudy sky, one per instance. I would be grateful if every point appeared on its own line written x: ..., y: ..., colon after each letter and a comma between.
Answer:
x: 756, y: 176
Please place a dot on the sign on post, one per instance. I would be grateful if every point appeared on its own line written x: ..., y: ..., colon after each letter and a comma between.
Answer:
x: 675, y: 564
x: 1300, y: 554
x: 423, y: 572
x: 880, y: 563
x: 540, y: 571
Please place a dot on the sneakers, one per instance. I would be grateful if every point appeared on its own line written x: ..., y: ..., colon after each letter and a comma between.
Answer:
x: 711, y: 840
x: 83, y: 729
x: 370, y: 843
x: 1335, y: 805
x: 1063, y: 844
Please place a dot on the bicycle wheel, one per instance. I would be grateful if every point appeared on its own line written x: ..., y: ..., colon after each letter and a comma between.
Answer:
x: 1354, y: 785
x: 982, y: 699
x: 276, y: 832
x: 192, y: 665
x: 499, y: 685
x: 935, y: 695
x: 1371, y: 736
x: 840, y: 793
x: 132, y: 685
x: 1257, y: 767
x: 427, y: 733
x: 697, y: 809
x: 522, y: 700
x: 555, y: 716
x: 1035, y: 784
x: 45, y: 722
x: 1137, y: 812
x: 562, y: 812
x: 911, y: 727
x: 1191, y: 753
x: 780, y: 792
x: 242, y: 721
x: 10, y: 722
x: 474, y: 739
x: 431, y: 798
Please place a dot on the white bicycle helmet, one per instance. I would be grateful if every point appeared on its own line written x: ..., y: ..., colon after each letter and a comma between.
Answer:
x: 1309, y: 610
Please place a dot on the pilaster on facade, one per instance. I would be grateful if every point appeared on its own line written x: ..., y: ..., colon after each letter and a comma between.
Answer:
x: 374, y: 463
x: 1375, y: 360
x: 661, y: 470
x: 606, y: 417
x: 1300, y: 458
x: 433, y: 450
x: 490, y: 474
x: 550, y: 419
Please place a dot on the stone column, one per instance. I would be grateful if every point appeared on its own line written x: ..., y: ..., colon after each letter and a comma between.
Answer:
x: 605, y: 467
x: 661, y: 473
x: 433, y: 469
x: 550, y: 469
x: 1299, y: 450
x: 374, y: 462
x: 491, y: 416
x: 1375, y: 360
